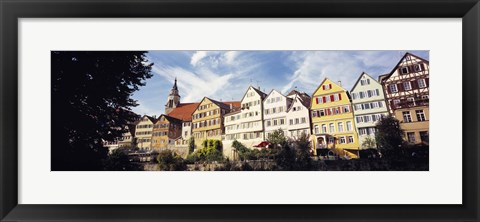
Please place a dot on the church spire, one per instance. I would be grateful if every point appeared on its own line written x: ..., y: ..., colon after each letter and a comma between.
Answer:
x: 173, y: 98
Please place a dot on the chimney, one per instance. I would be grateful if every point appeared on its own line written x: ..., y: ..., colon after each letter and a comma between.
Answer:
x: 340, y: 83
x: 231, y: 106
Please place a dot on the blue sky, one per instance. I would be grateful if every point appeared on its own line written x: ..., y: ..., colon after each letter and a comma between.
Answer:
x: 225, y: 75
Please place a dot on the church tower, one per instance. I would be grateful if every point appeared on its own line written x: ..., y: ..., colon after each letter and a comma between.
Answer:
x: 173, y: 99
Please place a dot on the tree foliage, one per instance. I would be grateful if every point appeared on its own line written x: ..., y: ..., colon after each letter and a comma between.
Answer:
x: 211, y: 151
x: 389, y: 135
x: 369, y: 142
x: 191, y: 145
x: 118, y: 161
x: 91, y: 101
x: 170, y: 161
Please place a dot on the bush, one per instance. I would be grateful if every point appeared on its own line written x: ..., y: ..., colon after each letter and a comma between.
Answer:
x: 118, y: 161
x: 211, y: 151
x: 170, y: 161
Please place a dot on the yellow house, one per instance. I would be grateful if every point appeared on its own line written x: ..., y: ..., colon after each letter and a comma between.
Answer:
x: 332, y: 120
x: 207, y: 120
x: 165, y: 130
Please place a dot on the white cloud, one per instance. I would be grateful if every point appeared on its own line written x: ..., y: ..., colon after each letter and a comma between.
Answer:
x: 345, y: 66
x: 197, y: 56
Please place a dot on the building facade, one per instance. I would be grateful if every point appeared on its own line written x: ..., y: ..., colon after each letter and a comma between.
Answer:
x: 165, y: 131
x: 368, y: 101
x: 128, y: 137
x: 207, y: 120
x: 275, y: 107
x: 245, y: 124
x: 406, y: 90
x: 143, y: 132
x: 332, y: 120
x: 298, y: 115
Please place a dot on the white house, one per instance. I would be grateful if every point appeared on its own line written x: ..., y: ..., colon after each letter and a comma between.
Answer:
x: 275, y: 108
x: 298, y: 115
x: 368, y: 100
x: 245, y: 123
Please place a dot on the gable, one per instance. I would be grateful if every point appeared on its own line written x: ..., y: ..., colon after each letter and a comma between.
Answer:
x: 251, y: 89
x: 408, y: 60
x: 326, y: 87
x: 365, y: 81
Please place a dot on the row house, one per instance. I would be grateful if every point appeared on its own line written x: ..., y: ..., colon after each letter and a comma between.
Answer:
x: 275, y: 108
x: 406, y: 90
x: 298, y: 115
x: 368, y: 101
x: 184, y: 112
x: 143, y: 132
x: 165, y: 131
x: 245, y: 124
x: 333, y: 120
x: 207, y: 119
x: 128, y: 136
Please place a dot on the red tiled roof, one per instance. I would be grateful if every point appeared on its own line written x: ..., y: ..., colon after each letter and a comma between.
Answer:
x: 184, y: 111
x: 235, y: 104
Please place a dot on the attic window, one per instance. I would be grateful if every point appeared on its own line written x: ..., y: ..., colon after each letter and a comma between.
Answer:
x: 418, y: 67
x: 327, y: 86
x: 404, y: 70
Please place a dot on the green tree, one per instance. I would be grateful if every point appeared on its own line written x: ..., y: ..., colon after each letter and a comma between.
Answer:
x: 303, y: 152
x: 389, y: 136
x: 277, y: 138
x: 211, y: 151
x: 91, y: 102
x: 191, y: 145
x: 170, y: 161
x: 118, y: 161
x: 369, y: 142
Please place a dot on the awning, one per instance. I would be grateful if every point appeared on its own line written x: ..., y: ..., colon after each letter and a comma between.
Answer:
x: 262, y: 144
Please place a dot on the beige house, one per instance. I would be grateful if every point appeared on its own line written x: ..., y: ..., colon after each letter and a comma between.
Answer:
x: 143, y: 132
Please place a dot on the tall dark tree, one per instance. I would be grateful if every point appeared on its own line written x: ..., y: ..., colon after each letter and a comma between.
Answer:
x: 91, y: 101
x: 389, y: 135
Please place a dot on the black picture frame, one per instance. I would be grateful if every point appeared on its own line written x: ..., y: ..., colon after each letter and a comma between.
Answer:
x: 12, y: 10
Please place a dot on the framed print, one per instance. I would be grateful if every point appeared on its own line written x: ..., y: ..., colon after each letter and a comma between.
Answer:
x: 265, y: 110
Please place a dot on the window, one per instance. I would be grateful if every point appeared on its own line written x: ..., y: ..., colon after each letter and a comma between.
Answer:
x: 350, y: 139
x: 393, y: 88
x: 326, y: 87
x: 420, y: 115
x: 297, y: 121
x: 316, y: 129
x: 367, y: 118
x: 418, y: 67
x: 282, y: 121
x: 331, y: 140
x: 275, y: 122
x: 404, y: 70
x: 346, y: 109
x: 365, y: 82
x: 421, y: 83
x: 366, y: 106
x: 424, y: 136
x: 362, y: 95
x: 396, y: 101
x: 322, y: 112
x: 291, y: 122
x: 406, y: 117
x: 407, y: 86
x: 411, y: 137
x: 354, y: 95
x: 349, y: 126
x: 304, y: 120
x: 268, y: 123
x: 340, y: 127
x: 342, y: 140
x: 332, y: 128
x: 324, y: 128
x: 359, y: 119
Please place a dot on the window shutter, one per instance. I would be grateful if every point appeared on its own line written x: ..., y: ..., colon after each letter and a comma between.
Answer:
x: 323, y: 87
x: 332, y: 98
x: 414, y: 84
x: 316, y: 100
x: 329, y: 86
x: 423, y: 66
x: 324, y: 99
x: 400, y: 87
x: 427, y: 81
x: 339, y: 96
x: 388, y: 89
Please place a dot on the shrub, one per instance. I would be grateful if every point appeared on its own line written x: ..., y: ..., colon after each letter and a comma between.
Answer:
x: 211, y: 151
x: 170, y: 161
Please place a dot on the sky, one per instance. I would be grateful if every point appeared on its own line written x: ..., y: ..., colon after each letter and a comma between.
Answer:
x: 226, y: 75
